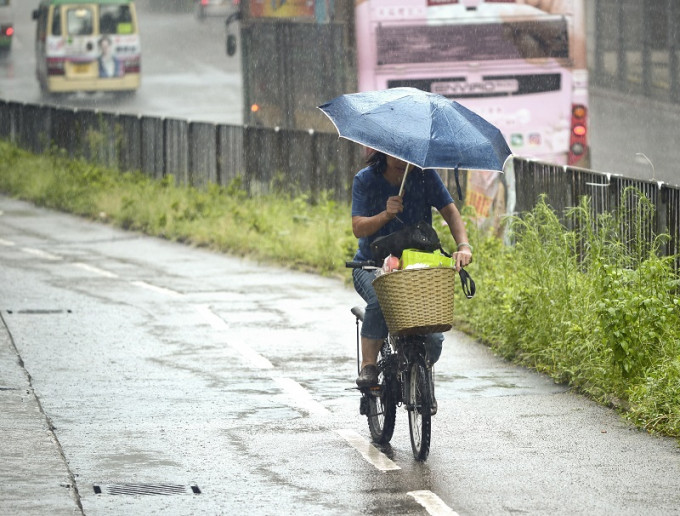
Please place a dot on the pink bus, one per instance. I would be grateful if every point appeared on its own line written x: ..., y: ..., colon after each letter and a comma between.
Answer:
x: 520, y: 64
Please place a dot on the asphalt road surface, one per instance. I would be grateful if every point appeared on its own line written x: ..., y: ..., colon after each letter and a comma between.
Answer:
x: 132, y: 365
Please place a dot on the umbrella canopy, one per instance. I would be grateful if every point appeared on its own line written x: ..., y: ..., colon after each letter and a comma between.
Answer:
x: 424, y: 129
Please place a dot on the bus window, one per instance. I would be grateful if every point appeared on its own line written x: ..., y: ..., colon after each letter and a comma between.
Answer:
x: 115, y: 19
x: 484, y: 41
x: 79, y: 21
x: 56, y: 22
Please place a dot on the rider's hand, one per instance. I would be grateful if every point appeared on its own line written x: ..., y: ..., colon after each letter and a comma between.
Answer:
x: 463, y: 258
x: 394, y: 206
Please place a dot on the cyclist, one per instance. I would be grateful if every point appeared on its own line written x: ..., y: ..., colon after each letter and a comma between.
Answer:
x: 378, y: 210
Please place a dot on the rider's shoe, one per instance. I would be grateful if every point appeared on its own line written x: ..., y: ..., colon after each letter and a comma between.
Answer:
x: 368, y: 376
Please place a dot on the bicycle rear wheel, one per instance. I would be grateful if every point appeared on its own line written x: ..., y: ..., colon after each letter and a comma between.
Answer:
x: 382, y: 406
x: 419, y: 409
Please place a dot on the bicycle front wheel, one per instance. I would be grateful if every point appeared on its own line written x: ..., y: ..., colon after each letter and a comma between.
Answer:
x: 419, y: 409
x: 382, y: 407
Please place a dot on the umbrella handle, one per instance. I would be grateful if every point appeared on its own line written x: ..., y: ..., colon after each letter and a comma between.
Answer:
x: 403, y: 181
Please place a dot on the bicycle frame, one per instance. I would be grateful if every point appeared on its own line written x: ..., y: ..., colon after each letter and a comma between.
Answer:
x: 402, y: 365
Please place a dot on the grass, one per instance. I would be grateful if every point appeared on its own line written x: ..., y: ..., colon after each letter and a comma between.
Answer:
x: 588, y: 301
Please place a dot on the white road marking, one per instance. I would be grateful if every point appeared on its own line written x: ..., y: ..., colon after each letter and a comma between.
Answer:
x: 367, y: 450
x: 213, y: 319
x: 96, y: 270
x: 432, y: 503
x: 248, y: 353
x: 7, y: 243
x: 40, y: 253
x: 300, y: 396
x: 253, y: 356
x: 160, y: 290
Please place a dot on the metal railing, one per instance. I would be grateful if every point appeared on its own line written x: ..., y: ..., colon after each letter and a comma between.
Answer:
x: 288, y: 161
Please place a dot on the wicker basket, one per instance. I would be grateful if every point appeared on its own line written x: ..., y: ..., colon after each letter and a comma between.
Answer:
x: 417, y: 301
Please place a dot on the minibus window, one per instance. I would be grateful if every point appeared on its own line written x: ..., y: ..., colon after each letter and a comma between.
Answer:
x: 79, y: 21
x: 56, y: 22
x: 115, y: 19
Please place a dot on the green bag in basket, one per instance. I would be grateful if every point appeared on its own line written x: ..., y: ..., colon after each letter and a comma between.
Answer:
x: 415, y: 259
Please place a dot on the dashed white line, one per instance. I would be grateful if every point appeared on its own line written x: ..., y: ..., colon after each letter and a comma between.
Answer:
x: 213, y: 319
x: 254, y: 357
x: 160, y: 290
x: 374, y: 456
x: 248, y: 353
x: 300, y: 397
x: 432, y: 503
x: 7, y: 243
x: 96, y: 270
x: 40, y: 253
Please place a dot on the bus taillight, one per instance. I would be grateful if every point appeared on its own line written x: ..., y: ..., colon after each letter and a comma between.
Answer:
x: 578, y: 142
x: 9, y: 31
x: 55, y: 66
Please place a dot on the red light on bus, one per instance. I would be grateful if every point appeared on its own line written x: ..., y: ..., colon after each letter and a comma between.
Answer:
x: 579, y: 130
x: 9, y: 31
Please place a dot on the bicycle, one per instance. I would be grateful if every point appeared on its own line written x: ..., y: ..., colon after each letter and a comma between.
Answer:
x: 405, y: 374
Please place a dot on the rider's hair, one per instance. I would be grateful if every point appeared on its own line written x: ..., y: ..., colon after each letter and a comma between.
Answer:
x: 377, y: 160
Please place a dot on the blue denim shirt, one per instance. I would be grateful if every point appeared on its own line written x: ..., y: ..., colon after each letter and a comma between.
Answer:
x: 423, y: 191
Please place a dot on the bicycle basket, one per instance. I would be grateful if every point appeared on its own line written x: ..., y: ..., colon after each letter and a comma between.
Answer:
x: 417, y: 301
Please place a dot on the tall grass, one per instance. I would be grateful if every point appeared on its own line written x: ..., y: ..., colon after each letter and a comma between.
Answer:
x: 589, y: 301
x: 588, y: 304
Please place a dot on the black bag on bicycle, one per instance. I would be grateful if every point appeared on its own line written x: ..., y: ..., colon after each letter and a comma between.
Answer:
x: 421, y: 236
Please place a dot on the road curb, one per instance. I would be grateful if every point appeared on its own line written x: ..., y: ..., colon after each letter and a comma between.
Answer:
x: 34, y: 478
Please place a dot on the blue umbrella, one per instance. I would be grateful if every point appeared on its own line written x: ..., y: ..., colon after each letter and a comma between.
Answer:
x: 424, y: 129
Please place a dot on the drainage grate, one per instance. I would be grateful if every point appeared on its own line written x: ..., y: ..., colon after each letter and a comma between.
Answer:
x: 40, y: 311
x: 145, y: 489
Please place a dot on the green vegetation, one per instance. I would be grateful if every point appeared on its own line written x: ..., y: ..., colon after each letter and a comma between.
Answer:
x: 589, y: 302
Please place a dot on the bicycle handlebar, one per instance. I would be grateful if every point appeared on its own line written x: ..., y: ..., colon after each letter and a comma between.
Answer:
x: 361, y: 265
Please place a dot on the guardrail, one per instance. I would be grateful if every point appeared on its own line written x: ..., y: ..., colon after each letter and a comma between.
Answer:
x: 286, y: 161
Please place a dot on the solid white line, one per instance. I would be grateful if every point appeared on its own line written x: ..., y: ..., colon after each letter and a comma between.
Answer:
x: 367, y: 450
x: 40, y: 253
x: 432, y: 503
x: 160, y: 290
x: 96, y: 270
x: 300, y: 396
x: 6, y: 242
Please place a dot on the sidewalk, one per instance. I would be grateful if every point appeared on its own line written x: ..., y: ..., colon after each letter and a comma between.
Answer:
x: 34, y: 479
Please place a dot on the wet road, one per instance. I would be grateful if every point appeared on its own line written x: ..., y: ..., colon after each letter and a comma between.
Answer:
x: 175, y: 368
